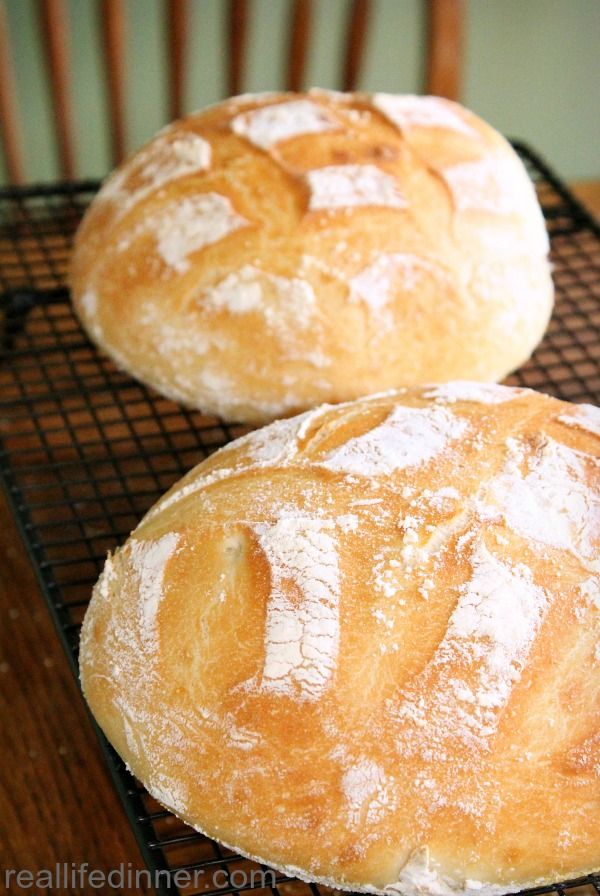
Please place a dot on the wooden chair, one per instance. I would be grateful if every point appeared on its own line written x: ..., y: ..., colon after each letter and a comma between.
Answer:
x: 442, y: 64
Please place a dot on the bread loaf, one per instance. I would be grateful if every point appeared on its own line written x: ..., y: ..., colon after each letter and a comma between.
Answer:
x: 363, y: 644
x: 280, y: 250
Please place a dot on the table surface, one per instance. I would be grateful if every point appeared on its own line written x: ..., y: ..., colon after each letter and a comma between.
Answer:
x: 57, y: 803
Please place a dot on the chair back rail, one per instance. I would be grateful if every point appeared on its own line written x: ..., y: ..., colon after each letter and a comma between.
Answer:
x: 12, y: 139
x: 55, y: 30
x: 177, y: 29
x: 114, y: 36
x: 299, y: 36
x: 444, y: 46
x: 358, y: 22
x: 238, y: 28
x: 445, y: 34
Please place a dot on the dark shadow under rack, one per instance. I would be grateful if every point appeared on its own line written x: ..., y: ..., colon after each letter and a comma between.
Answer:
x: 85, y: 450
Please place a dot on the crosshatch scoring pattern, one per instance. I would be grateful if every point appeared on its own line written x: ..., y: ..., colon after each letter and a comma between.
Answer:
x: 85, y: 450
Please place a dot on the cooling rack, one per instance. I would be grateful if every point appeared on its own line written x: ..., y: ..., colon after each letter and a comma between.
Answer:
x: 85, y: 450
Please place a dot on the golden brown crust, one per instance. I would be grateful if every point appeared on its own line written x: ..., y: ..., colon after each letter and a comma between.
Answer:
x: 364, y: 643
x: 276, y: 251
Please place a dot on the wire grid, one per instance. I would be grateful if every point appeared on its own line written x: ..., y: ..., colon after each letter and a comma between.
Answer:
x: 85, y: 450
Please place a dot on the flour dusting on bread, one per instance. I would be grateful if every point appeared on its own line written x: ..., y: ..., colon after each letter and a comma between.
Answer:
x: 481, y: 393
x: 549, y: 502
x: 350, y: 186
x: 192, y: 223
x: 389, y: 276
x: 368, y: 792
x: 283, y: 301
x: 583, y: 416
x: 149, y: 561
x: 489, y: 184
x: 159, y: 163
x: 470, y: 677
x: 422, y: 112
x: 267, y: 126
x: 301, y: 638
x: 408, y: 437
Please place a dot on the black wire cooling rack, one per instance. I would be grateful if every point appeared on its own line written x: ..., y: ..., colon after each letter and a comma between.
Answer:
x: 85, y: 450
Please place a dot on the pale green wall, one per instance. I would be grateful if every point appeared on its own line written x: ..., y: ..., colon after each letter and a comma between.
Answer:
x: 532, y: 69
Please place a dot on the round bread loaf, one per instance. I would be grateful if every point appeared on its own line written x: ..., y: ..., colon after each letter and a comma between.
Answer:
x: 363, y: 644
x: 280, y: 250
